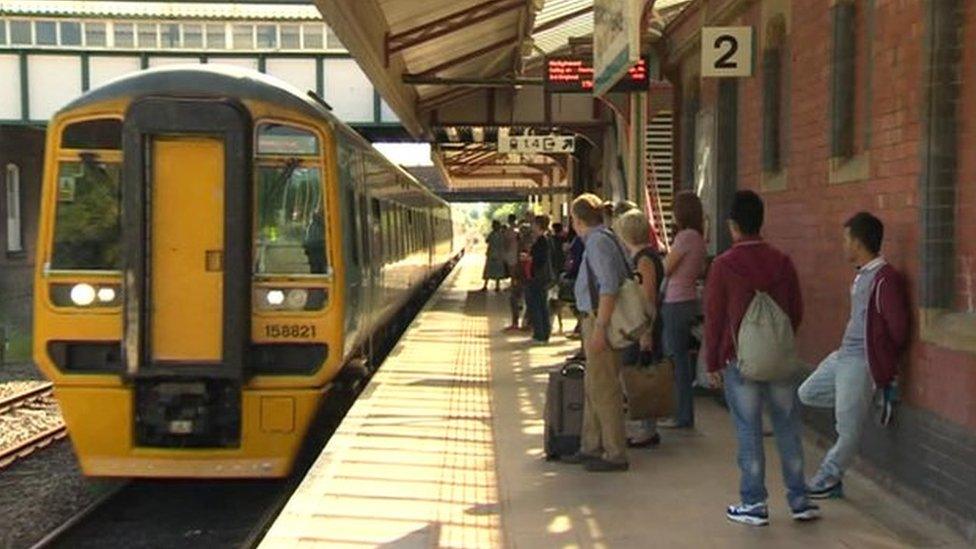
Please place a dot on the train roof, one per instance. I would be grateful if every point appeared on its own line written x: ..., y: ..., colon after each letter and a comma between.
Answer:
x: 204, y: 81
x: 214, y: 81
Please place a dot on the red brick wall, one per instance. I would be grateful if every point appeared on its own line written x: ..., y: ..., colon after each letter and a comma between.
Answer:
x: 806, y: 219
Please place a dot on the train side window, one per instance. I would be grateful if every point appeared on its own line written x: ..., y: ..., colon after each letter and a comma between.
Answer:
x: 378, y: 251
x: 279, y: 139
x: 101, y: 133
x: 352, y: 207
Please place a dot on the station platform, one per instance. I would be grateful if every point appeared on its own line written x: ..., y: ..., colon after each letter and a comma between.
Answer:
x: 444, y: 449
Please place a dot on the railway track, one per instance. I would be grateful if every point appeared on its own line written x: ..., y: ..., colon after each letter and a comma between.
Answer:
x: 29, y: 421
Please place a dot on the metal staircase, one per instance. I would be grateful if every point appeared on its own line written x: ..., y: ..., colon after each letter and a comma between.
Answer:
x: 658, y: 150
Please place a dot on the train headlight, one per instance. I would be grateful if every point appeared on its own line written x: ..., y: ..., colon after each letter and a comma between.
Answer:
x: 296, y: 299
x: 106, y: 295
x: 275, y: 297
x: 82, y: 295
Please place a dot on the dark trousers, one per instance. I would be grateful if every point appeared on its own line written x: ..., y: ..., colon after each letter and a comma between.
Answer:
x: 678, y: 319
x: 537, y: 301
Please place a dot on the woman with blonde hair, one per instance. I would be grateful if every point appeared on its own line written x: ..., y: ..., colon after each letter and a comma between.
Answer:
x: 683, y: 266
x: 634, y: 231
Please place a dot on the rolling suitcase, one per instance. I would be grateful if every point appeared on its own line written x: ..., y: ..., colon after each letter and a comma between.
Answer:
x: 564, y: 410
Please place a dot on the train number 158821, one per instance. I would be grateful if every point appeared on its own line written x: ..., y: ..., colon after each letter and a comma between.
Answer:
x: 289, y: 330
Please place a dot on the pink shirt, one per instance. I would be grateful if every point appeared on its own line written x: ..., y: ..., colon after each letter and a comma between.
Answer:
x: 681, y: 283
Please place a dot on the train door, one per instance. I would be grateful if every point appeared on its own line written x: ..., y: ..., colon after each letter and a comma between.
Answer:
x: 186, y: 212
x: 186, y: 251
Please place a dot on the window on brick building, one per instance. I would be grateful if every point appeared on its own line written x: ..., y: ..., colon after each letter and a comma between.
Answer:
x: 170, y: 35
x: 290, y: 37
x: 312, y: 37
x: 243, y: 37
x: 70, y: 33
x: 772, y: 94
x: 124, y: 37
x: 20, y: 32
x: 192, y: 36
x: 148, y: 35
x: 15, y: 236
x: 95, y: 34
x: 3, y: 32
x: 216, y: 37
x: 45, y: 33
x: 842, y: 92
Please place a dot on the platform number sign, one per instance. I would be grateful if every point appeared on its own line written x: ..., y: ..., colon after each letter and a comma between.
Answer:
x: 536, y: 144
x: 726, y: 51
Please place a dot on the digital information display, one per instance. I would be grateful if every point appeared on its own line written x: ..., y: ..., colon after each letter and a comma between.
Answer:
x: 575, y: 75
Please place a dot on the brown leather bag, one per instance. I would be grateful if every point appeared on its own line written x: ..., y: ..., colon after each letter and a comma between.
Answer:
x: 649, y: 389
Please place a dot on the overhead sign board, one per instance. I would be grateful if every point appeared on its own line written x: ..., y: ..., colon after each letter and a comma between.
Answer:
x: 616, y: 41
x: 575, y: 75
x: 726, y: 52
x: 535, y: 144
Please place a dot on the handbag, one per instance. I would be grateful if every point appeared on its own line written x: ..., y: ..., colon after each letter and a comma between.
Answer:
x: 649, y: 389
x: 633, y: 315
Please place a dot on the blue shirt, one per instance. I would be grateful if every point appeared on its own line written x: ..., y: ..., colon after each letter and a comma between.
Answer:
x: 603, y: 253
x: 854, y: 342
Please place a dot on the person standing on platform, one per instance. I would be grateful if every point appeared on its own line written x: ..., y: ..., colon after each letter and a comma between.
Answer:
x: 514, y: 271
x: 683, y: 266
x: 634, y: 230
x: 603, y: 269
x: 873, y: 344
x: 495, y: 268
x: 751, y: 266
x: 537, y: 286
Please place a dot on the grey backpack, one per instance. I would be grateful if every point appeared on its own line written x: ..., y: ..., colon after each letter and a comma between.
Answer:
x: 765, y: 346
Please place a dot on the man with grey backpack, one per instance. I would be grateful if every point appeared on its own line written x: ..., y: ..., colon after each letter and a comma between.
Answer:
x: 753, y: 308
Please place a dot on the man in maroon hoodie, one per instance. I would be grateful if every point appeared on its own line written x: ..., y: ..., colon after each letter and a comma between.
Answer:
x: 734, y: 278
x: 867, y: 359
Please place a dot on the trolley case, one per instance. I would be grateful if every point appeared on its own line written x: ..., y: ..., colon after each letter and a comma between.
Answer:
x: 564, y: 410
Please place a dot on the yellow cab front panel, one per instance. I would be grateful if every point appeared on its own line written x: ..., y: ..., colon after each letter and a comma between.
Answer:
x: 187, y: 307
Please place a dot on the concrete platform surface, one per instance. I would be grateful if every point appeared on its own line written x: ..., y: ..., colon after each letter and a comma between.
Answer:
x: 444, y: 449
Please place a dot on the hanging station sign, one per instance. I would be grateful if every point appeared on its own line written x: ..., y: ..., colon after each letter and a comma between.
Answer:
x: 616, y: 41
x: 726, y: 52
x: 536, y: 144
x: 575, y: 75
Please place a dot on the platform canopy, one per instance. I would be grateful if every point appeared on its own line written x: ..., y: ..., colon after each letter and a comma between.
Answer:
x: 457, y: 71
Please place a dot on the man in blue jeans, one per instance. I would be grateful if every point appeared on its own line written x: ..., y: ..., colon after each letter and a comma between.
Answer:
x: 873, y: 344
x: 749, y: 266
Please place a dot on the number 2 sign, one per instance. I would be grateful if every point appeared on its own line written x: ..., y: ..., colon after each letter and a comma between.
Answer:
x: 726, y: 51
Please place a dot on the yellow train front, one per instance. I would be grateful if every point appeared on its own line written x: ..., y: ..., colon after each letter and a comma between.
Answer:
x: 215, y: 247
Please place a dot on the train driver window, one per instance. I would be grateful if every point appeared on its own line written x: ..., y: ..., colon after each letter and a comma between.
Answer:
x: 87, y: 233
x: 290, y: 220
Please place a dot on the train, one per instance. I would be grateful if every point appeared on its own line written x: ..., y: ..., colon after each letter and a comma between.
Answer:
x: 217, y: 252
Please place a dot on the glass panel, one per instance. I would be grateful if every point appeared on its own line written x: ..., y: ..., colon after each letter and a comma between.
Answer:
x: 267, y: 36
x: 170, y: 35
x: 123, y: 35
x: 290, y: 37
x: 45, y: 33
x: 95, y: 34
x: 70, y: 33
x: 93, y: 134
x: 3, y: 32
x: 216, y: 37
x: 14, y: 230
x: 86, y: 226
x: 333, y: 41
x: 20, y: 32
x: 312, y: 36
x: 147, y: 35
x: 290, y: 226
x: 279, y: 139
x: 192, y: 36
x: 243, y: 37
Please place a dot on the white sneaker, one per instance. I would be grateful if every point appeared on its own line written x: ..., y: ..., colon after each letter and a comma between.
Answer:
x: 756, y: 514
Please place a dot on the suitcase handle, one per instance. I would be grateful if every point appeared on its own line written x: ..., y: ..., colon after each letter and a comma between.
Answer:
x: 574, y: 366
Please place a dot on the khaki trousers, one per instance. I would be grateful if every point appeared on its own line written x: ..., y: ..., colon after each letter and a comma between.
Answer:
x: 603, y: 414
